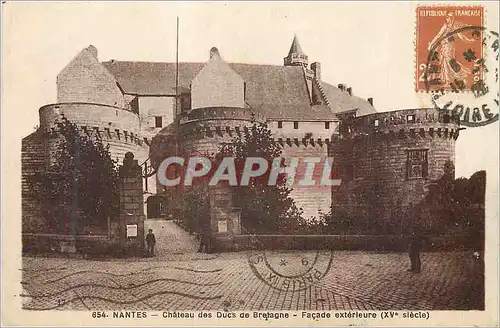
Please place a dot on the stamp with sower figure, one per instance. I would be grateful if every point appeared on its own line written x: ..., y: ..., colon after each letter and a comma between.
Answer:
x: 457, y: 62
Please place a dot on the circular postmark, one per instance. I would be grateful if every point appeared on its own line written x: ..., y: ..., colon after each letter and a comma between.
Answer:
x: 290, y: 271
x: 463, y: 81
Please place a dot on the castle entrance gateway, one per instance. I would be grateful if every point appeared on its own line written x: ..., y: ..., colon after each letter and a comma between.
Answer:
x: 155, y: 207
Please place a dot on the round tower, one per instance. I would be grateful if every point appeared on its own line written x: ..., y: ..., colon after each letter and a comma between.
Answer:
x: 115, y: 126
x: 387, y: 161
x: 205, y: 129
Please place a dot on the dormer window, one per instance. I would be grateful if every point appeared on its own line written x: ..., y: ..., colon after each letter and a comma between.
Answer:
x: 295, y: 125
x: 280, y: 124
x: 158, y: 121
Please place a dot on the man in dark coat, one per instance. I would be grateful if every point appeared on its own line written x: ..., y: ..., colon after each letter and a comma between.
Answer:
x: 151, y: 241
x: 414, y: 247
x: 205, y: 236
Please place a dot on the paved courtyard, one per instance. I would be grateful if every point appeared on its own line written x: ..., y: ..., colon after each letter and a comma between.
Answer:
x: 178, y: 278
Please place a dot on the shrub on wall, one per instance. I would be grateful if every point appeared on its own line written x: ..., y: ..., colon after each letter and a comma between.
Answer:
x: 80, y: 188
x: 264, y: 208
x: 194, y: 208
x: 452, y: 205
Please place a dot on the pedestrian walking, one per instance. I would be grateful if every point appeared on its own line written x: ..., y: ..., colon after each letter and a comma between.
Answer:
x: 151, y: 241
x: 414, y: 247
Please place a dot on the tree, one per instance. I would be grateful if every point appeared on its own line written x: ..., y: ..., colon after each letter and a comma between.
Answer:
x: 455, y: 204
x: 80, y: 188
x: 194, y: 207
x: 264, y: 208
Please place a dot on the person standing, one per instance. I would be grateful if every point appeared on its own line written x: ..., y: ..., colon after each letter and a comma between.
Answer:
x: 414, y: 247
x: 151, y: 241
x: 206, y: 236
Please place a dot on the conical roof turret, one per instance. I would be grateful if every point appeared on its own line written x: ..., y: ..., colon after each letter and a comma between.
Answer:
x: 295, y: 48
x: 296, y: 56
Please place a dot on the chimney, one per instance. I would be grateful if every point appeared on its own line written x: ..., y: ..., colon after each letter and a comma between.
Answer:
x: 341, y: 87
x: 349, y: 90
x: 316, y: 67
x: 93, y: 50
x: 370, y: 100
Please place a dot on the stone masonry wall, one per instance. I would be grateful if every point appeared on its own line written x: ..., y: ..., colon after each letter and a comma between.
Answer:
x: 115, y: 126
x: 131, y: 202
x: 204, y: 137
x: 310, y: 198
x: 32, y: 162
x: 373, y: 166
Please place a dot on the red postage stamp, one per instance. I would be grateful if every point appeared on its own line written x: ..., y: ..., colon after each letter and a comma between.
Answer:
x: 449, y: 50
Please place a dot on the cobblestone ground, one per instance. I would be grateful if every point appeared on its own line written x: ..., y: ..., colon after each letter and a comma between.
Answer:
x: 186, y: 280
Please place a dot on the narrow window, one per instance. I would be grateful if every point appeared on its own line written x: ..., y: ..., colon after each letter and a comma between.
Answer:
x: 417, y: 164
x: 244, y: 91
x: 375, y: 122
x: 158, y: 121
x: 410, y: 118
x: 327, y: 125
x: 296, y: 125
x: 280, y: 125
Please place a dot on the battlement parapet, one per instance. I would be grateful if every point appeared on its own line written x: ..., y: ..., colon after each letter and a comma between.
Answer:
x: 210, y: 128
x: 304, y: 142
x: 103, y: 134
x: 445, y: 131
x: 220, y: 113
x: 90, y: 115
x: 420, y: 122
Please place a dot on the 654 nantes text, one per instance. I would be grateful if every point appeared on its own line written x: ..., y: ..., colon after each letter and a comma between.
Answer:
x: 261, y: 315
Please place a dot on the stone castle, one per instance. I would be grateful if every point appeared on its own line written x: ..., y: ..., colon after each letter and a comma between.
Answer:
x: 385, y: 160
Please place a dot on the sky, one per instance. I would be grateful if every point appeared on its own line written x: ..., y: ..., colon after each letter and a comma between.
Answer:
x: 366, y: 45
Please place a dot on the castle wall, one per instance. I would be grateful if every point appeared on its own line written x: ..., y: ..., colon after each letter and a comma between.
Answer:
x: 310, y: 198
x: 373, y: 162
x: 204, y: 134
x: 151, y: 107
x: 314, y: 130
x: 32, y: 161
x: 85, y: 79
x: 115, y: 126
x: 90, y: 114
x: 310, y: 139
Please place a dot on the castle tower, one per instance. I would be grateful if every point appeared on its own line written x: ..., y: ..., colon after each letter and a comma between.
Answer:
x: 89, y: 96
x: 296, y: 57
x: 387, y: 161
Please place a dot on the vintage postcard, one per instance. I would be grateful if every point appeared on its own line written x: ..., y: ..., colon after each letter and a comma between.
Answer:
x: 250, y: 163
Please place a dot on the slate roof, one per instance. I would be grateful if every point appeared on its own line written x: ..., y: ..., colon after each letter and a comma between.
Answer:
x: 295, y: 48
x: 278, y: 92
x: 341, y: 101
